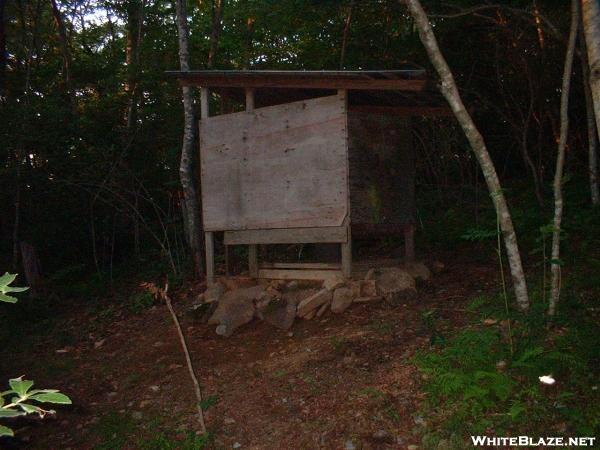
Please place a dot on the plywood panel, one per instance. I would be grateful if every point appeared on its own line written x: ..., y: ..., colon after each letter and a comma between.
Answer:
x: 288, y: 236
x: 277, y: 167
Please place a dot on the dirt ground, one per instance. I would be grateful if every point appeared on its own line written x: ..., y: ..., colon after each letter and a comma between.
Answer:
x: 341, y: 381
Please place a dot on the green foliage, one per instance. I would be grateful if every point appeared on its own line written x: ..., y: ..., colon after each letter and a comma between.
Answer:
x: 140, y: 301
x: 479, y: 234
x: 5, y: 281
x: 209, y: 401
x: 473, y: 383
x: 17, y: 401
x: 117, y: 431
x: 185, y: 441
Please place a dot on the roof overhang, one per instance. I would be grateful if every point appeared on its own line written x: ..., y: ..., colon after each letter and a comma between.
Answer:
x: 401, y: 80
x: 405, y: 92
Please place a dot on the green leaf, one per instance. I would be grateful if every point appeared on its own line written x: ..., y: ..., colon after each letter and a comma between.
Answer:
x: 20, y: 386
x: 15, y: 289
x: 5, y: 431
x: 516, y: 410
x: 208, y: 402
x: 7, y: 278
x: 7, y: 298
x: 29, y: 408
x: 52, y: 397
x: 10, y: 413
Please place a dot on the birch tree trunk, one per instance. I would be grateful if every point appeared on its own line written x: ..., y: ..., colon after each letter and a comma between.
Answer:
x: 186, y: 175
x: 593, y: 134
x: 591, y: 126
x: 591, y: 29
x: 452, y: 96
x: 560, y: 159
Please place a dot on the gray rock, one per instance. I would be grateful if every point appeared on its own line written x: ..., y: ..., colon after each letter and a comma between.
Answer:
x: 291, y: 286
x: 342, y: 299
x: 381, y: 435
x: 235, y: 309
x: 332, y: 284
x: 213, y: 293
x: 418, y: 270
x: 370, y: 274
x: 280, y: 314
x: 324, y: 307
x: 306, y: 306
x: 393, y: 281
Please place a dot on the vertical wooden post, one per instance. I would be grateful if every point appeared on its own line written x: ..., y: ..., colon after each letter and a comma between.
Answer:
x: 346, y: 246
x: 204, y: 111
x: 209, y: 245
x: 253, y: 260
x: 347, y: 255
x: 409, y: 243
x: 252, y: 248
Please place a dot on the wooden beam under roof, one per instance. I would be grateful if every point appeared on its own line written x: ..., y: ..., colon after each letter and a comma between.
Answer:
x: 402, y: 80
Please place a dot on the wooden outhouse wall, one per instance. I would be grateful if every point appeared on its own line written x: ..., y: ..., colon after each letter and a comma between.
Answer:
x: 382, y: 173
x: 276, y: 167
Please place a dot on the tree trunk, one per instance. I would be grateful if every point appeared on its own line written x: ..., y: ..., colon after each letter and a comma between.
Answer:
x: 346, y: 33
x: 186, y: 174
x: 217, y: 24
x: 591, y: 126
x: 2, y: 50
x: 66, y: 52
x: 560, y: 159
x: 135, y: 22
x: 249, y: 39
x: 591, y: 30
x: 452, y: 96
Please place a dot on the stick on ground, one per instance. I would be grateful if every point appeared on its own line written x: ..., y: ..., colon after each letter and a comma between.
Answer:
x: 188, y: 360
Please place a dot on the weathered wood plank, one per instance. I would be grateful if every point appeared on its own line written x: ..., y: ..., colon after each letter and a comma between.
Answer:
x: 253, y: 260
x: 370, y: 84
x: 276, y: 167
x: 303, y: 266
x: 290, y: 274
x: 210, y: 256
x: 288, y: 236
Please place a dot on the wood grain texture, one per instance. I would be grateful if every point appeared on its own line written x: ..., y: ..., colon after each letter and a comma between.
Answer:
x: 300, y: 274
x: 277, y: 167
x: 287, y: 236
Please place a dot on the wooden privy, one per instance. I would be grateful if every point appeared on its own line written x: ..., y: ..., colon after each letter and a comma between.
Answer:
x: 314, y: 157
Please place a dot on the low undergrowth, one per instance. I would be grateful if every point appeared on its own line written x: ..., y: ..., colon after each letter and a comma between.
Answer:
x: 475, y: 384
x: 119, y: 431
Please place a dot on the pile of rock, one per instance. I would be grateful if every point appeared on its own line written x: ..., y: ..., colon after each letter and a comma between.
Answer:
x: 236, y: 302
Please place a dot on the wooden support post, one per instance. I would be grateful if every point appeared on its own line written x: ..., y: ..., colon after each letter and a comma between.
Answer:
x: 347, y: 246
x: 249, y: 99
x: 409, y: 243
x: 347, y: 256
x: 252, y: 248
x: 253, y: 260
x: 209, y: 245
x: 204, y: 109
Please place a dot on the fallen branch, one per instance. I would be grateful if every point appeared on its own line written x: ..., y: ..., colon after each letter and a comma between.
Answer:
x: 164, y: 294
